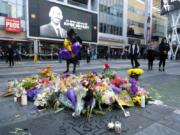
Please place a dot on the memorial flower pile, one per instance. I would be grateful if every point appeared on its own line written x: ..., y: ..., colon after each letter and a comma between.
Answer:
x: 85, y: 93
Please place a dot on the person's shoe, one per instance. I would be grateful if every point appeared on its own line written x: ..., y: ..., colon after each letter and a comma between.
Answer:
x: 74, y: 72
x: 66, y: 71
x: 160, y: 69
x: 163, y: 69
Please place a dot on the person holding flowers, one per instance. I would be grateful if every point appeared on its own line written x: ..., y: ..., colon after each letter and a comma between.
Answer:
x: 69, y: 44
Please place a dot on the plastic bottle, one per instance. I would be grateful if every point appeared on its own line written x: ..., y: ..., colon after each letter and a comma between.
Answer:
x: 143, y: 101
x: 24, y: 98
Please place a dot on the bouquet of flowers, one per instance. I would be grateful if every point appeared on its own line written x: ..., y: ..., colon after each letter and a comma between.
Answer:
x: 135, y: 72
x: 107, y: 71
x: 47, y: 72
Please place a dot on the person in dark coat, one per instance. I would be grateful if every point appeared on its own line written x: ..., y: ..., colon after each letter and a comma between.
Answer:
x: 73, y: 37
x: 88, y: 52
x: 10, y: 56
x: 107, y: 55
x: 163, y: 53
x: 134, y: 52
x: 150, y: 57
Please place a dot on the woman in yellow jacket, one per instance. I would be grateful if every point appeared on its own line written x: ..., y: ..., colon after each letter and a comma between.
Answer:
x: 71, y: 38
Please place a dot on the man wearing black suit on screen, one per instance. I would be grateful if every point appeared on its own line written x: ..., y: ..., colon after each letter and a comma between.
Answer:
x: 54, y: 29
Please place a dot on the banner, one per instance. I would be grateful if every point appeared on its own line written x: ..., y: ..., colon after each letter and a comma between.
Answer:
x: 53, y: 20
x: 169, y: 5
x: 12, y: 24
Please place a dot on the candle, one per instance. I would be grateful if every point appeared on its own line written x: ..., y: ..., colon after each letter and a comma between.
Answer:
x: 118, y: 127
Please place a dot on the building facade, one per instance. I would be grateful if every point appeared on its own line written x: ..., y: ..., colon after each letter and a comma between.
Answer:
x: 120, y: 23
x: 13, y: 26
x: 112, y: 28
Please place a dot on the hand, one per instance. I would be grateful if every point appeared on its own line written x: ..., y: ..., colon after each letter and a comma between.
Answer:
x: 165, y: 52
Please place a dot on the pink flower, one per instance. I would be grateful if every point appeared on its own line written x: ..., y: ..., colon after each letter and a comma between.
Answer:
x: 106, y: 66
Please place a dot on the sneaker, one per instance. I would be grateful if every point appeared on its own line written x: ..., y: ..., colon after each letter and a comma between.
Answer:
x: 160, y: 69
x: 163, y: 69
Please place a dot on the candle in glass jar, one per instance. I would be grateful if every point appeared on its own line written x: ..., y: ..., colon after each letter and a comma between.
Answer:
x: 118, y: 127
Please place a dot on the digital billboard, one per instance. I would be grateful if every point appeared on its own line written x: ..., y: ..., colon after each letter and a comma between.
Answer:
x: 52, y: 21
x: 169, y: 5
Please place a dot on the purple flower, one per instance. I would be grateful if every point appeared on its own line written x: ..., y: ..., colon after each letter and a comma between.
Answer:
x: 134, y: 87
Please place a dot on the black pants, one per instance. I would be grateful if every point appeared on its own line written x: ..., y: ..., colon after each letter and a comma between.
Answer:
x: 134, y: 61
x: 88, y: 58
x: 68, y: 62
x: 150, y: 64
x: 11, y: 61
x: 162, y: 62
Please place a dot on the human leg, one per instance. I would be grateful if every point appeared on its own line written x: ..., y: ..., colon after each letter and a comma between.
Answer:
x: 132, y: 61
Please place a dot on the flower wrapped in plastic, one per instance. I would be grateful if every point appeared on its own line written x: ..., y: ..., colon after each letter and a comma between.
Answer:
x: 33, y: 93
x: 108, y: 97
x: 101, y: 86
x: 47, y: 72
x: 65, y: 101
x: 107, y: 71
x: 80, y: 94
x: 118, y: 81
x: 65, y: 54
x: 71, y: 96
x: 134, y: 86
x: 115, y: 89
x: 76, y: 48
x: 41, y: 100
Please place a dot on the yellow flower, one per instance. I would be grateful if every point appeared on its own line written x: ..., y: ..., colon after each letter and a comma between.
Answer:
x: 137, y: 100
x: 135, y: 71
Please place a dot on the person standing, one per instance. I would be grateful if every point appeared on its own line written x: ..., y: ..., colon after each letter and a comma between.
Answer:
x: 18, y: 55
x: 134, y: 52
x: 150, y: 57
x: 88, y: 52
x: 72, y: 38
x: 10, y: 56
x: 1, y: 53
x: 106, y: 55
x: 163, y: 53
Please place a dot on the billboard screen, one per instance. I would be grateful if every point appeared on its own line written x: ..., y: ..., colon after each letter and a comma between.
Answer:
x: 52, y: 21
x: 169, y: 5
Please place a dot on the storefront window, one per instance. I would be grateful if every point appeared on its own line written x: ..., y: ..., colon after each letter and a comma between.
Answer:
x: 111, y: 16
x: 78, y: 3
x: 4, y: 8
x: 12, y: 8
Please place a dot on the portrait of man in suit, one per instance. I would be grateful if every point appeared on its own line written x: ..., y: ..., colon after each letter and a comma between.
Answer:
x: 54, y: 28
x: 166, y: 6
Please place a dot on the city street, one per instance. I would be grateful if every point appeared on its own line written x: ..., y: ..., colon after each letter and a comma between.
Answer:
x: 103, y: 94
x: 161, y: 119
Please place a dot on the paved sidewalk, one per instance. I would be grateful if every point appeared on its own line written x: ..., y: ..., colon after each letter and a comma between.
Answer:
x: 152, y: 120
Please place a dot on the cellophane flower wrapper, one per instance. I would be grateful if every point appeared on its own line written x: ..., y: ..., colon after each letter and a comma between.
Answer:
x: 76, y: 48
x: 33, y: 93
x: 65, y: 101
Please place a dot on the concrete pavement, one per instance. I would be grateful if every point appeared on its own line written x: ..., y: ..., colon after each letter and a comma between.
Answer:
x: 153, y: 120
